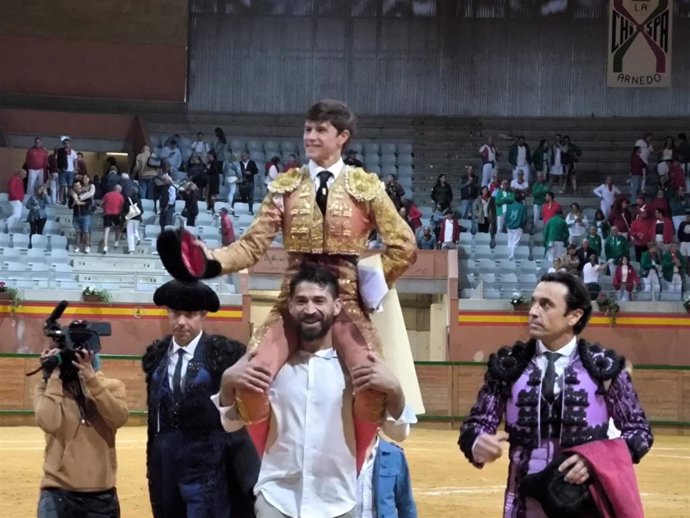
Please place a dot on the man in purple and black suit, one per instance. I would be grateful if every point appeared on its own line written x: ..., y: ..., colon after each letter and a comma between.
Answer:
x: 554, y: 392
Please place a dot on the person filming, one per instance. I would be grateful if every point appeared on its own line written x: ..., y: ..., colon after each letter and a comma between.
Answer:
x: 80, y: 414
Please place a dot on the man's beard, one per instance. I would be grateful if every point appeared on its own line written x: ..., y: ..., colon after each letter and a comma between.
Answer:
x: 315, y: 333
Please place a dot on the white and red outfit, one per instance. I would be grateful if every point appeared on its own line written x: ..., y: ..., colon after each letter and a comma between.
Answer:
x: 36, y: 164
x: 449, y: 235
x: 625, y: 280
x: 15, y: 190
x: 488, y: 154
x: 607, y: 194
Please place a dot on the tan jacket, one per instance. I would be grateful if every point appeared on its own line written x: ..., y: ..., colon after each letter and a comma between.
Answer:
x: 79, y: 456
x: 141, y: 167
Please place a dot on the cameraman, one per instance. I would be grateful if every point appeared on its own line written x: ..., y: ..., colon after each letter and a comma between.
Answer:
x: 79, y: 415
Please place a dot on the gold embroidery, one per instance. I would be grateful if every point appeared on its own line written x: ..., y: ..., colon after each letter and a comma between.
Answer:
x: 287, y: 182
x: 362, y: 186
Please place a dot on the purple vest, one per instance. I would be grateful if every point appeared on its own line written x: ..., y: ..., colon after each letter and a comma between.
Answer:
x: 580, y: 414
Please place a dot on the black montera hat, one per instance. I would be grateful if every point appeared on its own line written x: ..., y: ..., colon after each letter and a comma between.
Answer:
x: 186, y: 296
x: 558, y: 498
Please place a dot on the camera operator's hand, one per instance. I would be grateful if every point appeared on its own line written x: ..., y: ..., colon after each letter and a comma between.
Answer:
x: 55, y: 372
x: 83, y: 365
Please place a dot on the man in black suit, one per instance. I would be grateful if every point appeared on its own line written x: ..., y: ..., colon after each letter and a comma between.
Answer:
x: 584, y: 253
x: 248, y: 170
x: 194, y: 468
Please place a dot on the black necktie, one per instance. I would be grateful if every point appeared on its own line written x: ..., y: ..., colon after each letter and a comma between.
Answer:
x: 549, y: 382
x: 177, y: 375
x: 322, y: 190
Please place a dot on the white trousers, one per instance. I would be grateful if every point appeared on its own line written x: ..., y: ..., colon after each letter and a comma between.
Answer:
x: 16, y: 214
x: 53, y: 188
x: 34, y: 182
x: 557, y: 249
x: 685, y: 249
x: 676, y: 283
x: 606, y: 208
x: 623, y: 295
x: 652, y: 283
x: 514, y: 236
x: 677, y: 220
x: 132, y: 234
x: 536, y: 213
x: 487, y: 169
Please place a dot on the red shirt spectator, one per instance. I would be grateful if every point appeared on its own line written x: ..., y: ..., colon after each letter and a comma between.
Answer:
x: 113, y: 202
x: 659, y: 203
x: 550, y: 209
x: 36, y: 158
x: 15, y: 188
x: 641, y: 231
x: 227, y: 231
x: 632, y: 281
x: 676, y: 176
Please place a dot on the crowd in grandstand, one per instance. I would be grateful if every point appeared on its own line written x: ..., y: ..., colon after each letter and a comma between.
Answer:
x: 648, y: 220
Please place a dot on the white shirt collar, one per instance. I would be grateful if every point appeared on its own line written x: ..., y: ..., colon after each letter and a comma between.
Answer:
x: 567, y: 350
x: 334, y: 169
x: 189, y: 348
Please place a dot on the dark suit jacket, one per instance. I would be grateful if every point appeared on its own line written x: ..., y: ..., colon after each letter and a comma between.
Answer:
x: 249, y: 172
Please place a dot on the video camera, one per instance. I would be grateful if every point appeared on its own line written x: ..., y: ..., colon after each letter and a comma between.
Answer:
x: 79, y: 335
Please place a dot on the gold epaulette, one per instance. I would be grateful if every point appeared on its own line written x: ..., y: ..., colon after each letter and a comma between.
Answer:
x: 287, y: 181
x: 362, y: 186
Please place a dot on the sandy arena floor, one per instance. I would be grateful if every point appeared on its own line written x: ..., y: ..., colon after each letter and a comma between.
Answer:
x: 445, y: 485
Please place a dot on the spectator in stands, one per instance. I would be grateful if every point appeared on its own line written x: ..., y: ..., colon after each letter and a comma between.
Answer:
x: 200, y: 148
x: 676, y: 175
x: 145, y: 172
x: 395, y: 190
x: 227, y: 230
x: 638, y: 172
x: 80, y: 415
x: 616, y: 247
x: 232, y: 175
x: 272, y: 169
x: 551, y: 207
x: 414, y: 216
x: 351, y: 159
x: 495, y: 184
x: 436, y: 220
x: 520, y: 158
x: 556, y: 266
x: 82, y: 169
x: 584, y: 253
x: 174, y: 157
x: 36, y: 205
x: 248, y: 170
x: 126, y: 183
x: 577, y: 225
x: 570, y: 155
x: 190, y: 195
x: 98, y: 186
x: 673, y: 268
x: 678, y: 207
x: 132, y: 221
x: 602, y: 224
x: 664, y: 186
x: 88, y: 189
x: 640, y: 207
x: 53, y: 177
x: 427, y: 241
x: 15, y: 194
x: 66, y: 159
x: 540, y: 158
x: 449, y: 236
x: 590, y: 275
x: 81, y: 219
x: 621, y: 216
x: 113, y: 204
x: 516, y: 218
x: 641, y: 234
x: 220, y: 149
x: 111, y: 178
x: 625, y: 280
x: 441, y: 192
x: 469, y: 190
x: 607, y: 193
x: 595, y: 241
x: 520, y: 184
x: 650, y: 265
x: 484, y: 212
x: 662, y: 228
x: 660, y: 202
x: 684, y: 157
x: 504, y: 198
x: 213, y: 174
x: 570, y: 261
x: 684, y: 235
x: 666, y: 156
x: 555, y: 236
x: 489, y: 155
x: 646, y: 149
x: 539, y: 190
x: 556, y: 169
x: 36, y: 162
x: 293, y: 163
x: 166, y: 202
